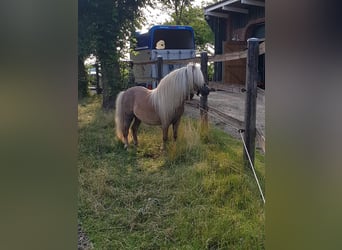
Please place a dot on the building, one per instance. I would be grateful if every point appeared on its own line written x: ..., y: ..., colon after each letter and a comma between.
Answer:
x: 233, y: 22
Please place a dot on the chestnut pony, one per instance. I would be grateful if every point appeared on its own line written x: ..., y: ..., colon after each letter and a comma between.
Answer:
x: 163, y: 105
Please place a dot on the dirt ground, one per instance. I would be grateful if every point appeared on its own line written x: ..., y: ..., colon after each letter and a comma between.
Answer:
x: 231, y: 103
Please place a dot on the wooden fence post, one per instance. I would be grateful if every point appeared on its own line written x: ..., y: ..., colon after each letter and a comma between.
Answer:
x: 159, y: 68
x: 204, y: 91
x: 251, y: 94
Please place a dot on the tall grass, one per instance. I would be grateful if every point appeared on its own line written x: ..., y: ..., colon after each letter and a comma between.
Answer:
x: 194, y: 195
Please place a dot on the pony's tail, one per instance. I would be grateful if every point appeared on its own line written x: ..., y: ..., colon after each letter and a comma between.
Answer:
x: 119, y: 116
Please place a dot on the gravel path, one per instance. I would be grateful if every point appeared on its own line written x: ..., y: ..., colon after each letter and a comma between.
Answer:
x: 231, y: 103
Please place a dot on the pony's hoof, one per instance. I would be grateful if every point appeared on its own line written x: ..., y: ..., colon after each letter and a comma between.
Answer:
x: 125, y: 146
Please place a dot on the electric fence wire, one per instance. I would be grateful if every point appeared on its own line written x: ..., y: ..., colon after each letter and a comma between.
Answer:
x: 245, y: 147
x: 250, y: 161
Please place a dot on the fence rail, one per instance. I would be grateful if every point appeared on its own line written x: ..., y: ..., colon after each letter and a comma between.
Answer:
x: 217, y: 58
x: 171, y: 61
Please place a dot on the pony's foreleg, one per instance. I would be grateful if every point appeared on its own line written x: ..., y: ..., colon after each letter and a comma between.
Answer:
x: 135, y: 127
x: 175, y: 126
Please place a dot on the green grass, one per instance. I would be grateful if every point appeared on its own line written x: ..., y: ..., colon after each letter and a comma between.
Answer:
x: 195, y: 195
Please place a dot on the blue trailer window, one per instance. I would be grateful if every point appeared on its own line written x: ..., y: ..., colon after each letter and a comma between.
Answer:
x: 175, y: 37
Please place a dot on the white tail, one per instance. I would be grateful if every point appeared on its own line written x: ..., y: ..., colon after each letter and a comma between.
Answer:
x: 119, y: 116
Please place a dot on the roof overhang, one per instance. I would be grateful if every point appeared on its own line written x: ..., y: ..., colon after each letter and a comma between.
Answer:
x: 223, y: 8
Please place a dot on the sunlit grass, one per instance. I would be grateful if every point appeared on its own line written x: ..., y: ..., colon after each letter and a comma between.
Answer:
x: 194, y: 195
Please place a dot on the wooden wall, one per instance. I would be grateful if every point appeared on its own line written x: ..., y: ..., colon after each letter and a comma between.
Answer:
x: 234, y: 72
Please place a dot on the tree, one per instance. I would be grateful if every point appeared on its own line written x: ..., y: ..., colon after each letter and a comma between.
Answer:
x: 178, y: 7
x: 82, y: 79
x: 104, y: 26
x: 85, y: 45
x: 194, y: 16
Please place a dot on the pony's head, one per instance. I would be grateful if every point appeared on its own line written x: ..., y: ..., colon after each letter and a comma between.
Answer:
x: 195, y: 77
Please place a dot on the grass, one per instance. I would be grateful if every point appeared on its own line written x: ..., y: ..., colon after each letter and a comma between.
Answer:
x: 194, y: 195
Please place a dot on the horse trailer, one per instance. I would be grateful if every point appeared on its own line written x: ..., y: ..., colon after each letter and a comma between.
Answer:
x: 171, y: 42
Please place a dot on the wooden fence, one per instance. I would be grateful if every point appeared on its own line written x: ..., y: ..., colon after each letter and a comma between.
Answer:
x: 216, y: 58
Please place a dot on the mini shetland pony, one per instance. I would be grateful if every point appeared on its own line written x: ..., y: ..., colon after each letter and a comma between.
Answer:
x: 163, y: 105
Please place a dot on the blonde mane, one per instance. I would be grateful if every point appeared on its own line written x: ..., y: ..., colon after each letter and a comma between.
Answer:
x: 174, y: 88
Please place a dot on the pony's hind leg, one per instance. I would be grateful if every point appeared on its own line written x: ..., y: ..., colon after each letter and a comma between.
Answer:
x: 135, y: 127
x: 165, y: 136
x: 175, y: 126
x: 125, y: 137
x: 125, y: 132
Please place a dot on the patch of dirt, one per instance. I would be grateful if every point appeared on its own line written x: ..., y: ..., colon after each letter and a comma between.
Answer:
x: 231, y: 103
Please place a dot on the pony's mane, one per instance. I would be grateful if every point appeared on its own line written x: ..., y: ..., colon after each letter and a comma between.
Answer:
x: 174, y: 88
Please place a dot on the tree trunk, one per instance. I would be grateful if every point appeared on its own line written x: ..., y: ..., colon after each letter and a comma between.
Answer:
x: 111, y: 80
x: 82, y: 79
x: 98, y: 88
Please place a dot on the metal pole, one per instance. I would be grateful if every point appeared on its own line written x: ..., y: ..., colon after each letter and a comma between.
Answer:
x: 251, y: 94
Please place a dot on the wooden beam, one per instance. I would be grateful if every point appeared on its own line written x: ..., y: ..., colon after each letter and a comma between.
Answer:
x: 253, y: 2
x: 217, y: 58
x: 218, y: 6
x: 235, y: 9
x: 235, y: 55
x: 217, y: 14
x: 228, y: 56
